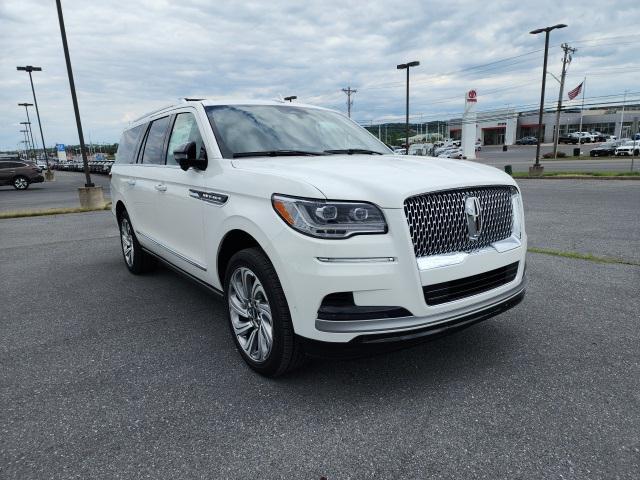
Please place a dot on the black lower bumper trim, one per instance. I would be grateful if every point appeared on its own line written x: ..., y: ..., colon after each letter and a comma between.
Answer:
x: 363, y: 345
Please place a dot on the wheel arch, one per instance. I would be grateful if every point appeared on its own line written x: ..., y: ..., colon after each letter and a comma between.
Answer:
x: 232, y: 242
x: 120, y: 208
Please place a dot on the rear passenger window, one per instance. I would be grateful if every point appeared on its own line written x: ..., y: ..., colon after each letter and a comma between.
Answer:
x: 128, y: 143
x: 153, y: 148
x: 185, y: 129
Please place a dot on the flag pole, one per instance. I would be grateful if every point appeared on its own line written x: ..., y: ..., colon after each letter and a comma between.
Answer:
x: 584, y: 87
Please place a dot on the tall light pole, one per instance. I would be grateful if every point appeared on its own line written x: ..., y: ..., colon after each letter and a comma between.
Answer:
x: 546, y: 30
x: 27, y: 130
x: 72, y: 87
x: 29, y: 69
x: 407, y: 66
x: 27, y: 145
x: 26, y: 106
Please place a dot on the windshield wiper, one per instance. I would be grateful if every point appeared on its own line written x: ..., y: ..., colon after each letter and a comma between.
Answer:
x: 351, y: 151
x: 276, y: 153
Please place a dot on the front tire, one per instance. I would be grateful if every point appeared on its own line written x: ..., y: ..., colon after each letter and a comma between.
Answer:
x: 20, y: 183
x: 135, y: 258
x: 258, y: 315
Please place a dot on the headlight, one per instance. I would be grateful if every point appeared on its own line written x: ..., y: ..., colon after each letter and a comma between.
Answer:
x: 517, y: 223
x: 328, y: 218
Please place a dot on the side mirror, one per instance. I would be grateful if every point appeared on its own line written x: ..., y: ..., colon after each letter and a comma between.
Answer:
x: 186, y: 156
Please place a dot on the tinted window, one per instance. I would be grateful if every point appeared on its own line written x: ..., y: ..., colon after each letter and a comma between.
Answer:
x: 128, y: 144
x: 185, y: 129
x: 11, y: 165
x: 153, y: 153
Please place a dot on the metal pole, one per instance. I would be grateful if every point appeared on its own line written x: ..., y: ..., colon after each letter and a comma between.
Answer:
x: 72, y: 87
x: 35, y: 102
x: 566, y: 49
x: 624, y: 103
x: 544, y: 79
x: 407, y: 115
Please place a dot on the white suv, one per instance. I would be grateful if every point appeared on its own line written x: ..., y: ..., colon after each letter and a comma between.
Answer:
x: 313, y: 231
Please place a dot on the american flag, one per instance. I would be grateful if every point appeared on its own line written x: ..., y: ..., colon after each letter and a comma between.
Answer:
x: 575, y: 92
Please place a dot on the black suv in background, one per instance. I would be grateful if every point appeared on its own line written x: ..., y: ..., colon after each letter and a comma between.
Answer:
x: 19, y: 173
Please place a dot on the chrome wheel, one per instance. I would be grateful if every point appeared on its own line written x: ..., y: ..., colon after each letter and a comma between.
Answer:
x: 21, y: 183
x: 126, y: 237
x: 250, y: 314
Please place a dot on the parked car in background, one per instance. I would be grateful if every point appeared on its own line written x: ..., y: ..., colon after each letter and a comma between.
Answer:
x: 42, y: 165
x: 586, y: 137
x: 629, y: 147
x: 604, y: 149
x: 423, y: 149
x: 598, y: 137
x: 400, y: 151
x: 19, y: 173
x: 313, y: 232
x: 527, y: 141
x: 570, y: 138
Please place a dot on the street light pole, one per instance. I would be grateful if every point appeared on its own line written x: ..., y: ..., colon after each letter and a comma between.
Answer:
x: 26, y: 130
x: 72, y: 87
x: 26, y: 106
x: 546, y: 30
x: 407, y: 66
x: 29, y: 69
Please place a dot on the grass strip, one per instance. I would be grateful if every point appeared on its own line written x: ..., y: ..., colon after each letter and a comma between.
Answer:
x: 577, y: 175
x: 581, y: 256
x: 51, y: 211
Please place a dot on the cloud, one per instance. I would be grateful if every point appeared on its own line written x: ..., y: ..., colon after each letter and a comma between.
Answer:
x: 130, y: 57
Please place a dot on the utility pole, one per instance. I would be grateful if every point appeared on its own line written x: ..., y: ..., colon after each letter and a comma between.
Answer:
x: 349, y: 91
x: 568, y: 52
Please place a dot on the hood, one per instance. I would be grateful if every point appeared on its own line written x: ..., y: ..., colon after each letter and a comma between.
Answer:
x: 386, y: 180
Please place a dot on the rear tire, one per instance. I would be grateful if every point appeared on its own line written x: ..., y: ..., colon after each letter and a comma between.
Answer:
x: 21, y: 182
x: 135, y: 258
x: 258, y: 315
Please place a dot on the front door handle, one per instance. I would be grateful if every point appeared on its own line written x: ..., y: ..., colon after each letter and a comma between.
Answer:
x: 131, y: 181
x: 161, y: 188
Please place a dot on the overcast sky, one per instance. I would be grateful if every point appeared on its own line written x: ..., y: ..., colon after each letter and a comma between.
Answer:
x: 136, y: 55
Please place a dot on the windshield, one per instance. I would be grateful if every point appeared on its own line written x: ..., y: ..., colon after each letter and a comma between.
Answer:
x: 263, y: 130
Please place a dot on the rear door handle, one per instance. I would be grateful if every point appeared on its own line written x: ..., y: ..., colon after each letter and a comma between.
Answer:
x: 161, y: 188
x: 131, y: 181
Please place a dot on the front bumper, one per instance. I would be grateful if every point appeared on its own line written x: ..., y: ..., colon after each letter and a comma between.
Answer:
x: 384, y: 342
x: 36, y: 179
x: 388, y: 276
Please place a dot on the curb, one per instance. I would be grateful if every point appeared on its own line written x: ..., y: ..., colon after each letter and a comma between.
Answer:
x: 577, y: 177
x: 53, y: 211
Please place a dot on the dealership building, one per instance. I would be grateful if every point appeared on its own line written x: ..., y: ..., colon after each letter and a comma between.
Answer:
x: 503, y: 127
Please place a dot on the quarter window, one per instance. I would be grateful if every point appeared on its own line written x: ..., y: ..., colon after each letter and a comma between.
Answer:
x: 185, y: 130
x: 153, y: 148
x: 128, y: 143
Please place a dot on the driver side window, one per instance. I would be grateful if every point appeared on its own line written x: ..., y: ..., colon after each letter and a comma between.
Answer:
x: 185, y: 129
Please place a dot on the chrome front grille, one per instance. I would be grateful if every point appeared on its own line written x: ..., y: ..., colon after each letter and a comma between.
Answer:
x: 438, y: 223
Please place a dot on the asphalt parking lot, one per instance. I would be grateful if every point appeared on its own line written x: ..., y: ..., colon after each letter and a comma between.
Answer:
x: 521, y: 157
x: 61, y: 193
x: 108, y: 375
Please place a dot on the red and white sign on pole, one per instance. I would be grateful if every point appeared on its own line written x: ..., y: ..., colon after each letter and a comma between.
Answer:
x: 472, y: 96
x: 469, y: 125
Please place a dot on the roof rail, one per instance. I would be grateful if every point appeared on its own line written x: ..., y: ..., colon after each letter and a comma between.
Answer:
x: 188, y: 99
x: 152, y: 112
